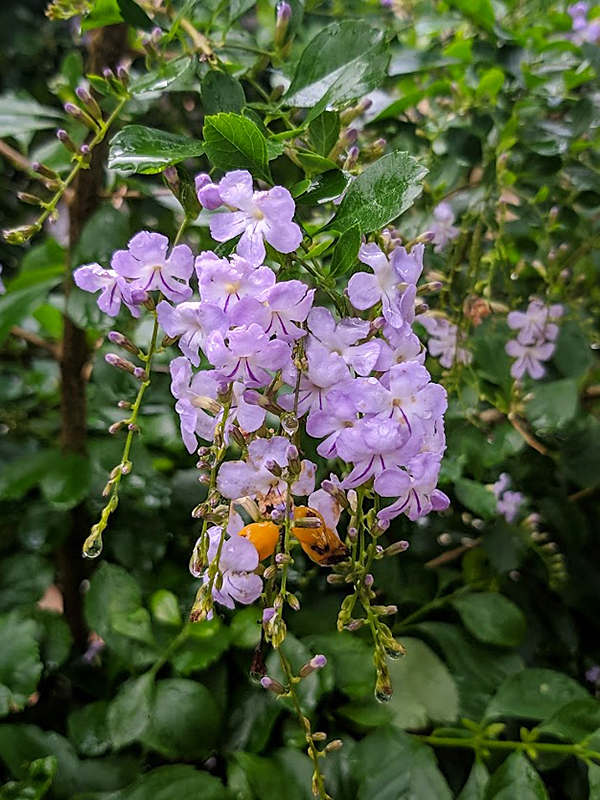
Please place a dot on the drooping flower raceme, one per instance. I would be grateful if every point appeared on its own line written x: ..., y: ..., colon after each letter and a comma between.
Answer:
x: 443, y: 230
x: 275, y: 358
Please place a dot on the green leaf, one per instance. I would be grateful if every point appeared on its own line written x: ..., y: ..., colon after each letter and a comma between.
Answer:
x: 492, y: 618
x: 391, y: 765
x: 312, y: 163
x: 480, y: 11
x: 490, y: 84
x: 129, y: 713
x: 103, y: 13
x: 553, y: 404
x: 166, y: 78
x: 222, y: 92
x: 477, y: 669
x: 424, y: 690
x: 135, y: 16
x: 88, y: 729
x: 164, y: 607
x: 324, y: 188
x: 204, y: 643
x: 573, y: 356
x: 594, y: 781
x: 381, y: 193
x: 184, y: 722
x: 113, y: 609
x: 178, y: 782
x: 19, y: 476
x: 324, y: 131
x: 534, y: 694
x: 148, y: 150
x: 234, y: 142
x: 476, y: 497
x: 40, y: 774
x: 474, y: 788
x: 24, y: 578
x: 344, y: 61
x: 345, y: 252
x: 351, y: 660
x: 54, y: 635
x: 20, y: 665
x: 104, y: 232
x: 20, y: 115
x: 575, y: 721
x: 239, y: 7
x: 16, y: 305
x: 516, y: 778
x: 67, y: 481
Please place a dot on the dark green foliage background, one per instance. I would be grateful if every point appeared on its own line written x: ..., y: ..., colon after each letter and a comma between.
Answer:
x: 503, y: 110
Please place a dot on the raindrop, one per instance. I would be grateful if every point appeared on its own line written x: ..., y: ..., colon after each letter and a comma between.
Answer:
x: 289, y: 423
x: 92, y: 546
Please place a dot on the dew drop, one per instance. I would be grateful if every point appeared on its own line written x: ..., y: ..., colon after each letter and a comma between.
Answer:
x: 384, y: 696
x: 289, y: 423
x: 92, y: 547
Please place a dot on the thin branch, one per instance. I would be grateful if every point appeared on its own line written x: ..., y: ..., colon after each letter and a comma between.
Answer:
x: 452, y: 555
x: 529, y: 438
x: 37, y: 341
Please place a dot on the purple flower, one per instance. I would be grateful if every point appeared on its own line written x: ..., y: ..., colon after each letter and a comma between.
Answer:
x: 259, y: 216
x: 412, y: 396
x: 196, y: 395
x: 414, y: 487
x: 399, y: 346
x: 534, y: 325
x: 373, y: 445
x: 145, y: 263
x: 246, y: 354
x: 238, y: 479
x: 529, y: 358
x: 193, y: 322
x: 501, y: 484
x: 208, y: 192
x: 225, y: 282
x: 444, y: 341
x: 277, y: 309
x: 112, y: 287
x: 325, y: 370
x: 237, y: 562
x: 393, y: 282
x: 342, y: 338
x: 443, y: 229
x: 509, y: 504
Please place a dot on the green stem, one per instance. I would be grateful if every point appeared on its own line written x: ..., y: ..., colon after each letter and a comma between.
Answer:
x: 318, y: 779
x: 476, y: 743
x: 433, y: 605
x: 172, y: 647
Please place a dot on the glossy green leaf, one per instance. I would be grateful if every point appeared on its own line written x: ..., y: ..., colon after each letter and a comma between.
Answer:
x: 594, y: 781
x: 516, y: 778
x: 184, y: 722
x: 19, y: 476
x: 492, y: 618
x: 239, y: 7
x: 474, y: 788
x: 135, y: 16
x: 103, y: 13
x: 178, y: 782
x: 313, y: 164
x: 166, y: 78
x: 24, y: 115
x: 324, y: 188
x: 553, y: 404
x: 88, y: 729
x: 148, y: 150
x: 67, y: 481
x: 16, y: 305
x: 205, y: 642
x: 344, y: 61
x: 164, y: 607
x: 574, y: 721
x: 424, y: 690
x: 391, y: 765
x: 234, y: 142
x: 20, y: 665
x: 345, y: 252
x: 386, y: 189
x: 221, y: 92
x: 476, y: 497
x: 24, y: 577
x: 40, y: 774
x: 324, y: 131
x: 534, y: 694
x: 480, y: 11
x: 129, y: 713
x: 490, y: 84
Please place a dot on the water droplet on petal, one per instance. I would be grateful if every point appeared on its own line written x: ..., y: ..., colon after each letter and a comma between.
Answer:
x: 289, y: 423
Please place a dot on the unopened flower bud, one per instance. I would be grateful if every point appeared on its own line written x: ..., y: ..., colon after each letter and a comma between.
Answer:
x: 274, y: 468
x: 44, y: 171
x: 316, y: 662
x: 351, y: 158
x: 268, y: 613
x: 116, y: 426
x: 394, y: 549
x: 282, y: 22
x: 355, y: 624
x: 272, y: 685
x: 319, y: 736
x: 66, y: 140
x: 141, y: 374
x: 277, y: 515
x: 335, y: 580
x: 369, y: 580
x: 294, y: 463
x: 270, y: 572
x: 122, y: 341
x: 89, y: 102
x: 120, y: 363
x: 338, y: 494
x: 293, y: 602
x: 335, y: 744
x: 352, y: 533
x: 123, y: 75
x: 204, y: 478
x: 282, y: 558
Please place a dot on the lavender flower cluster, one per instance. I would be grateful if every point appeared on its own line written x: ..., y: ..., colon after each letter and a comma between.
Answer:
x: 252, y: 344
x: 536, y: 339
